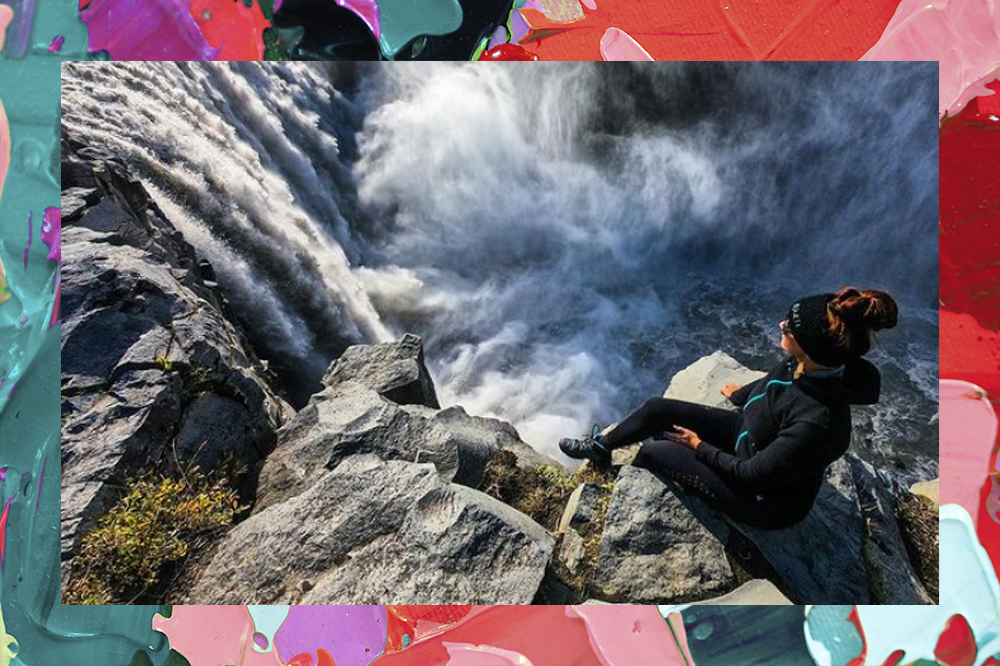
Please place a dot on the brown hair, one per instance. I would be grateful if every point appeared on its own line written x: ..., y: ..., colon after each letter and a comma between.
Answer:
x: 855, y: 314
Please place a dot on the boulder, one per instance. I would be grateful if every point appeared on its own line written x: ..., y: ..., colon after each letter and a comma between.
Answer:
x: 374, y: 531
x: 702, y: 380
x: 699, y: 382
x: 891, y: 577
x: 394, y: 370
x: 661, y: 543
x: 352, y: 416
x: 154, y: 375
x: 654, y: 550
x: 820, y: 559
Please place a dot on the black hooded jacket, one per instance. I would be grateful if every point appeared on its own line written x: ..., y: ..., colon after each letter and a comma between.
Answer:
x: 793, y: 429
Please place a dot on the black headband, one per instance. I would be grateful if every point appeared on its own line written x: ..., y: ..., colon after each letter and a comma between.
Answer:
x: 810, y: 326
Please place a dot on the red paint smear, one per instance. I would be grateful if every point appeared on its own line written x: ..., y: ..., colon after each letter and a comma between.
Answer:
x: 990, y: 104
x: 527, y: 630
x: 992, y: 661
x: 439, y: 614
x: 970, y: 214
x: 508, y: 52
x: 304, y: 659
x: 56, y: 317
x: 747, y: 30
x: 3, y: 532
x: 402, y: 621
x: 957, y: 644
x: 395, y: 630
x: 894, y: 658
x: 324, y: 658
x: 232, y: 27
x: 855, y: 619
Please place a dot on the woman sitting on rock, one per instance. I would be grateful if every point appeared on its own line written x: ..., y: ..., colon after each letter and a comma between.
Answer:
x: 763, y: 464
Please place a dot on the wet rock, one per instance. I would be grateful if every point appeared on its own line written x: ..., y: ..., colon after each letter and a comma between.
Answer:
x: 394, y: 370
x: 154, y: 376
x: 654, y: 550
x: 375, y: 531
x: 349, y: 419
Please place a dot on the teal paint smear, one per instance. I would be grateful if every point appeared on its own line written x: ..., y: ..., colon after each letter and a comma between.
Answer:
x: 47, y: 633
x: 267, y: 620
x: 405, y: 20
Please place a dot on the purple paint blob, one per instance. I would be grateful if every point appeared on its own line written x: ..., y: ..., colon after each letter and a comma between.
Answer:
x: 343, y: 631
x: 56, y: 44
x: 23, y: 319
x: 19, y: 30
x: 52, y: 232
x: 12, y: 388
x: 145, y: 30
x: 260, y: 639
x: 29, y: 241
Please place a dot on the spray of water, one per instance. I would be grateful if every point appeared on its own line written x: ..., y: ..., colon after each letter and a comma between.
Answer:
x: 563, y: 235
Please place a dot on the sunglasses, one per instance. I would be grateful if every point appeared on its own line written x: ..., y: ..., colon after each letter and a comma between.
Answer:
x: 786, y: 328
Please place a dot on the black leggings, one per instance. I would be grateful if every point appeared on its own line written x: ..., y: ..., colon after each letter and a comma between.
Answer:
x: 719, y: 427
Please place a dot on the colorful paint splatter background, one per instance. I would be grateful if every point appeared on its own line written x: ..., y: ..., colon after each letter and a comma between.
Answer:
x: 40, y: 33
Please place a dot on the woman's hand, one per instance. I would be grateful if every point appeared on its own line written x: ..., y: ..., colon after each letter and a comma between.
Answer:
x: 729, y: 389
x: 684, y: 436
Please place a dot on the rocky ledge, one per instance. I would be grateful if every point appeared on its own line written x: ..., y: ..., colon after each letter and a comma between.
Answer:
x: 366, y: 499
x: 372, y: 493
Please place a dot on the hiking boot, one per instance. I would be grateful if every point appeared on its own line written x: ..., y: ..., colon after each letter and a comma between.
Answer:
x: 592, y: 447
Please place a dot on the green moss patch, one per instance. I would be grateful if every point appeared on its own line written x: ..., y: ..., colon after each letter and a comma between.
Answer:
x: 141, y: 545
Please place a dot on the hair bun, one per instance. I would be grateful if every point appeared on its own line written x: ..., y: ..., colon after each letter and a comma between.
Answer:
x: 875, y: 310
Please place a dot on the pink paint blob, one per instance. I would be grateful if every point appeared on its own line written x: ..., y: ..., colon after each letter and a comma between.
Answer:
x: 963, y: 35
x: 367, y: 10
x: 4, y: 140
x: 618, y: 45
x: 550, y: 636
x: 615, y: 635
x: 3, y: 532
x: 968, y: 427
x: 214, y: 635
x: 145, y: 30
x: 57, y: 43
x: 23, y: 319
x: 351, y: 634
x: 52, y: 233
x: 6, y: 16
x: 466, y: 654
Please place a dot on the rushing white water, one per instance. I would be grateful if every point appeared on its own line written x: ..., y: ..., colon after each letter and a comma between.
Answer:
x: 563, y: 236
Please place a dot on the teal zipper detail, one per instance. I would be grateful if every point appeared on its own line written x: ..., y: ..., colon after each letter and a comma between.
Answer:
x: 764, y: 392
x: 740, y: 439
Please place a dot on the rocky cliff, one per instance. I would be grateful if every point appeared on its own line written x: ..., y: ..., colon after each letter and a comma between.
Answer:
x: 371, y: 493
